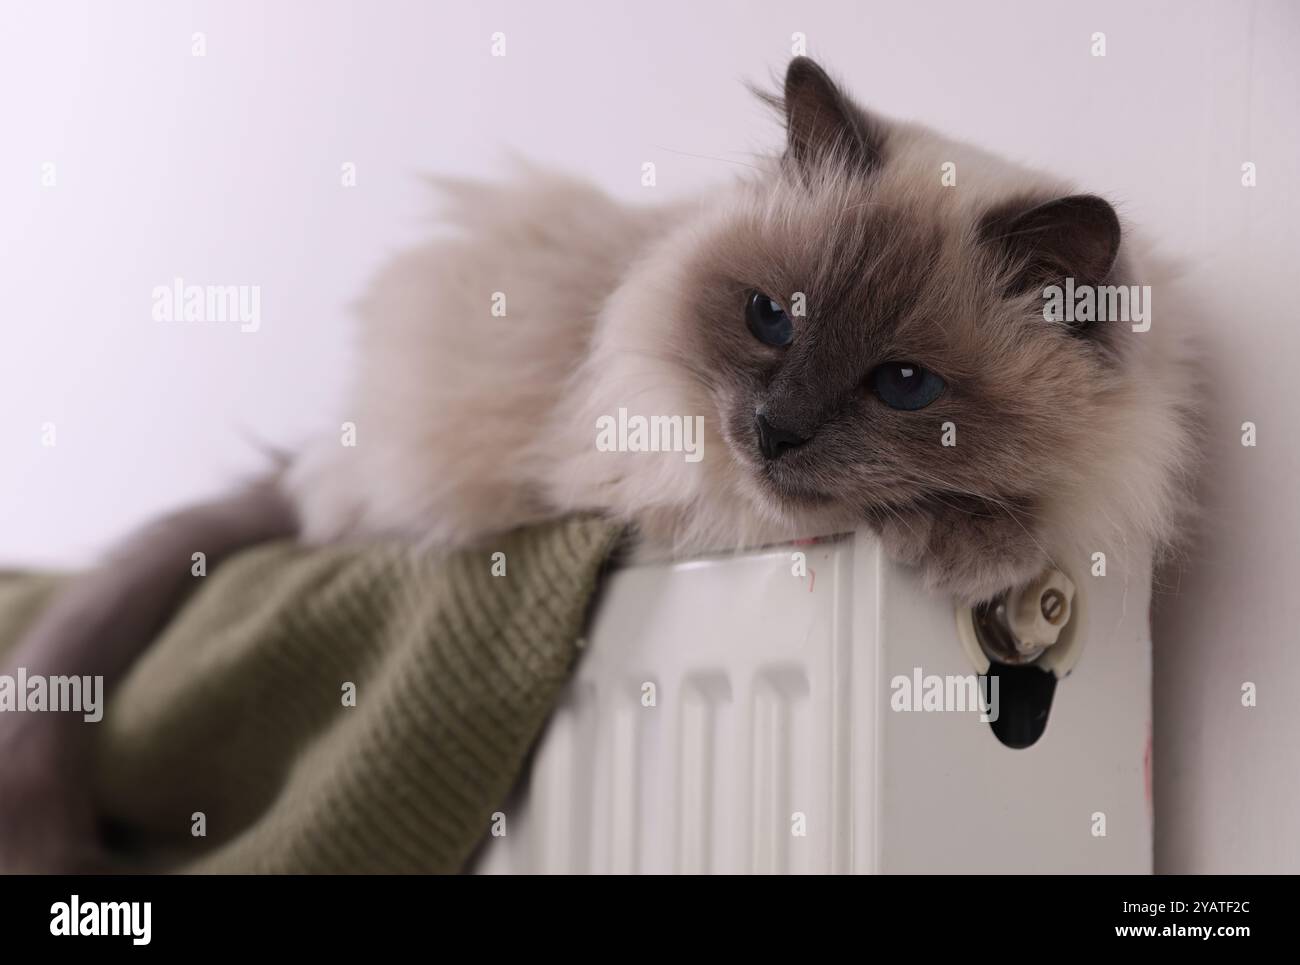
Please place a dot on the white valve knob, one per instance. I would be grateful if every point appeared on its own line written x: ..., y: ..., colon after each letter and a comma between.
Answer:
x: 1037, y: 613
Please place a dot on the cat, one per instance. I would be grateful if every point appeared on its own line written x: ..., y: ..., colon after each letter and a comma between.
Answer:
x: 1067, y: 437
x: 860, y: 335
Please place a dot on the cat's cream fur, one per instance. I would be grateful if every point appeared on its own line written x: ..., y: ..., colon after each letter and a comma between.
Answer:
x: 469, y: 424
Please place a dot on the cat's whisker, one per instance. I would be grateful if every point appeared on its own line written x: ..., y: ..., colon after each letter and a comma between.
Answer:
x: 991, y: 500
x: 708, y: 157
x: 869, y: 204
x: 895, y: 514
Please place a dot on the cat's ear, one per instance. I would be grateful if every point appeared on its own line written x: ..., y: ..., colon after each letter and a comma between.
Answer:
x: 822, y: 122
x: 1045, y: 243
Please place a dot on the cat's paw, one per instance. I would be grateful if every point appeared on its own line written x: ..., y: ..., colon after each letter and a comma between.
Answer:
x: 968, y: 550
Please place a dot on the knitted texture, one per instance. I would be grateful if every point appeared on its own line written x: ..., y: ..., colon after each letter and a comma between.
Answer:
x: 239, y: 710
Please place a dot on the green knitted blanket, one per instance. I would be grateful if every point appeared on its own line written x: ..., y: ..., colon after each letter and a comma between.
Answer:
x: 360, y: 709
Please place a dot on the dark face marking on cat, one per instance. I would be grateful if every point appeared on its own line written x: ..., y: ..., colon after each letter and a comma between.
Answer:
x: 850, y: 406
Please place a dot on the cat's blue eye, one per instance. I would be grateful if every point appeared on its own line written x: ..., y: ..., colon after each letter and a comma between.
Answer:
x: 768, y: 321
x: 904, y: 385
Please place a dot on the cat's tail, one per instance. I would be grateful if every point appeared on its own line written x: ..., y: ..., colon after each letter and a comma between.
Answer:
x: 97, y: 626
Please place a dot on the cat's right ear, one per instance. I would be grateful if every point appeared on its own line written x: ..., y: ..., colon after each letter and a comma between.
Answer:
x: 823, y: 123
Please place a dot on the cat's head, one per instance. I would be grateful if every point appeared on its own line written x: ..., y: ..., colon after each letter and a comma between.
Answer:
x: 866, y: 317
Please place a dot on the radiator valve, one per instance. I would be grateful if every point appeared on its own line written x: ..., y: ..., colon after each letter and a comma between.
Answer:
x: 1018, y: 627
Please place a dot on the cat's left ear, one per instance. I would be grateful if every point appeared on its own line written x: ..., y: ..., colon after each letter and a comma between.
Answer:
x: 822, y: 122
x: 1047, y: 242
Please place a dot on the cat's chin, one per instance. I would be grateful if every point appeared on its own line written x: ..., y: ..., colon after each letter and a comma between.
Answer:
x: 792, y: 497
x: 793, y: 511
x: 808, y: 509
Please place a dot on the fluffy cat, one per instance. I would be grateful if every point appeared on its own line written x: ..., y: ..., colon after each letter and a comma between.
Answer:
x: 1068, y: 438
x: 835, y: 321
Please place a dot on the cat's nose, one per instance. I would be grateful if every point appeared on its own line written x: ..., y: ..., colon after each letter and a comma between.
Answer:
x: 775, y: 441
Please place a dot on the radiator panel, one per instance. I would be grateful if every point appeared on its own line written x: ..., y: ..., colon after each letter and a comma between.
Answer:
x: 733, y: 715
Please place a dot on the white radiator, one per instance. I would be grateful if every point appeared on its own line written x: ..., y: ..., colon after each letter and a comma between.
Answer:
x: 768, y: 743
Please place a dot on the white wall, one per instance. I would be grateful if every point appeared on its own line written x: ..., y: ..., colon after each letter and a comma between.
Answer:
x: 225, y: 169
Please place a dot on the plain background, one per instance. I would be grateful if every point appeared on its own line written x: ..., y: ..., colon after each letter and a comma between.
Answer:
x: 226, y: 169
